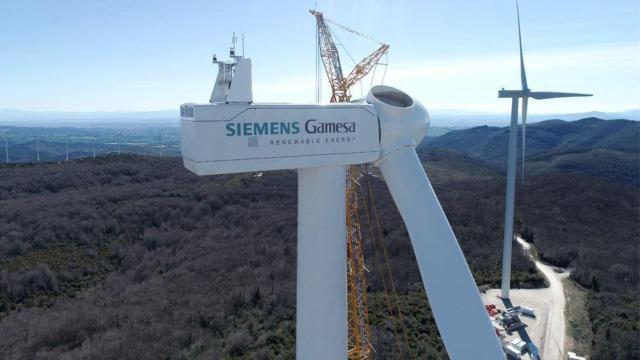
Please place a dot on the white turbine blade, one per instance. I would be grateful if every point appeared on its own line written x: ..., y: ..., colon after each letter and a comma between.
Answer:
x: 541, y: 95
x: 523, y: 74
x: 457, y: 308
x: 525, y: 102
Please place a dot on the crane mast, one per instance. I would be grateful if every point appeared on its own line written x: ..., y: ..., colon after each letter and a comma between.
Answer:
x: 358, y: 313
x: 331, y: 59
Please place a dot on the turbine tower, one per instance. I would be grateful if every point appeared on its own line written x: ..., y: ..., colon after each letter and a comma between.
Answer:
x: 231, y: 134
x: 515, y: 96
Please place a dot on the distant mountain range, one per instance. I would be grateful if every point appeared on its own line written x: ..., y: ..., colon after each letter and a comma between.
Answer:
x: 440, y: 118
x: 132, y: 254
x: 88, y: 118
x: 464, y: 119
x: 591, y: 146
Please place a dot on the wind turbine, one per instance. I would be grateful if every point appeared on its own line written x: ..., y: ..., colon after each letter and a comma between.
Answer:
x: 93, y: 140
x: 515, y: 95
x: 232, y: 134
x: 37, y: 149
x: 160, y: 144
x: 118, y: 135
x: 6, y: 145
x: 67, y: 148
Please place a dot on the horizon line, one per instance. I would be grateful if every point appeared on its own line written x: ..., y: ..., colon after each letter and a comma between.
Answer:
x: 444, y: 109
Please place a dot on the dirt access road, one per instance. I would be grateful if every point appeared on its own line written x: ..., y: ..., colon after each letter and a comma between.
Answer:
x: 547, y: 330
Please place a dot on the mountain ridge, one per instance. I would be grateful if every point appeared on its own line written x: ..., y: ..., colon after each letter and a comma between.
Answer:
x: 439, y: 117
x: 554, y: 138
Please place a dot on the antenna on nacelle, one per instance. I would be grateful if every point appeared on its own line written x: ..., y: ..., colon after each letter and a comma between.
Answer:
x: 233, y: 83
x: 232, y: 49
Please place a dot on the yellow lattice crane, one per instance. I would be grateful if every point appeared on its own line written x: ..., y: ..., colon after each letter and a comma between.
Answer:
x: 358, y: 319
x: 331, y: 59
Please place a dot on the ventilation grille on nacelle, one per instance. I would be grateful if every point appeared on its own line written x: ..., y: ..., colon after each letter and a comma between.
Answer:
x: 186, y: 110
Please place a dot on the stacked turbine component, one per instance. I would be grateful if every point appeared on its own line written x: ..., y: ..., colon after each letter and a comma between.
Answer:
x: 525, y: 93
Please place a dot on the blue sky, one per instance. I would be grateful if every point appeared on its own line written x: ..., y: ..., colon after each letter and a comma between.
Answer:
x: 149, y: 55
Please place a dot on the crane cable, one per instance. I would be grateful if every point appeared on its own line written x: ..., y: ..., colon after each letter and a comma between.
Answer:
x: 382, y: 275
x: 373, y: 75
x: 366, y: 37
x: 384, y: 74
x: 318, y: 67
x: 388, y: 266
x: 371, y: 212
x: 339, y: 42
x: 354, y: 31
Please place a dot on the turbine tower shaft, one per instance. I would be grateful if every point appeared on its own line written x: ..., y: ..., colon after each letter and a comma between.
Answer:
x: 321, y: 298
x: 510, y: 199
x: 525, y: 93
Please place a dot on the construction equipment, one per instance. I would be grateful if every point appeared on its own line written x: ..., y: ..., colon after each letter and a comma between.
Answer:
x: 358, y: 319
x: 340, y: 84
x: 358, y: 312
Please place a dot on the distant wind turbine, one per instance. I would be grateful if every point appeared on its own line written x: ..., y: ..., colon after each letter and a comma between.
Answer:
x: 6, y: 145
x: 118, y: 139
x: 67, y: 148
x: 37, y: 149
x: 160, y: 145
x: 515, y: 95
x: 94, y: 138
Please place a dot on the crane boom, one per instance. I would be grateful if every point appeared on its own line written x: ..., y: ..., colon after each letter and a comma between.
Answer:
x: 364, y: 67
x: 331, y: 60
x: 329, y: 54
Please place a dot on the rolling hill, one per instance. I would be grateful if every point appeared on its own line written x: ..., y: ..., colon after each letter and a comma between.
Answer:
x: 587, y: 147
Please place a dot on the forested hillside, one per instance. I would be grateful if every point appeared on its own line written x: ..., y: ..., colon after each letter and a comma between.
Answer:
x: 594, y: 147
x: 591, y: 226
x: 134, y: 257
x: 129, y: 257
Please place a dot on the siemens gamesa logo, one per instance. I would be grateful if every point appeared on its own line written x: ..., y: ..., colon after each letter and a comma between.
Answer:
x: 264, y: 128
x: 311, y: 126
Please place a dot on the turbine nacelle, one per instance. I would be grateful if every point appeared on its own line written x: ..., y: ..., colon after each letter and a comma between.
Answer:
x: 241, y: 137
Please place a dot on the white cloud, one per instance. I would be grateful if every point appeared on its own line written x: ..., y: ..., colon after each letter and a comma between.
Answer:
x: 610, y: 71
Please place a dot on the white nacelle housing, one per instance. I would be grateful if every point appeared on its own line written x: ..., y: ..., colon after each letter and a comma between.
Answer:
x: 231, y: 134
x: 234, y: 137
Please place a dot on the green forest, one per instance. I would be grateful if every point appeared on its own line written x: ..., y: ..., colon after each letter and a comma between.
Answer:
x: 133, y: 257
